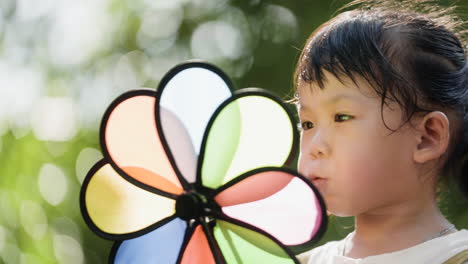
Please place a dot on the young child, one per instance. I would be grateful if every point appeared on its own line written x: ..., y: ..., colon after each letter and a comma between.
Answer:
x: 382, y: 95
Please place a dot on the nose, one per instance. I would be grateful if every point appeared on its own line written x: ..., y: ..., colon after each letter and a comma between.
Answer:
x: 314, y: 145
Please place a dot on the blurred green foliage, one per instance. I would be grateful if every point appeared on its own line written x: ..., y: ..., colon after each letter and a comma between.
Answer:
x: 124, y: 43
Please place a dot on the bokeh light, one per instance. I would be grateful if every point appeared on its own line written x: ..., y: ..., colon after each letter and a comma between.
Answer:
x: 280, y: 24
x: 68, y: 250
x: 33, y: 219
x: 9, y: 216
x: 86, y: 159
x: 66, y: 226
x: 54, y: 119
x: 2, y: 237
x: 26, y: 258
x: 52, y: 183
x: 28, y: 10
x: 11, y: 254
x: 217, y: 40
x: 131, y: 70
x: 79, y: 30
x: 197, y: 9
x: 21, y: 85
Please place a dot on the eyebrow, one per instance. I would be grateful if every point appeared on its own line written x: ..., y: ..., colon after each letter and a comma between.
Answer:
x: 333, y: 100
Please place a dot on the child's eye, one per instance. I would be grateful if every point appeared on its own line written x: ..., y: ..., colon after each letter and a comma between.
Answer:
x: 306, y: 125
x: 342, y: 117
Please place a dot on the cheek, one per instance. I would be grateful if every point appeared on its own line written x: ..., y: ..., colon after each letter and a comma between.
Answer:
x: 357, y: 171
x: 365, y: 171
x: 373, y: 170
x: 359, y: 152
x: 367, y: 151
x: 354, y: 152
x: 369, y: 159
x: 361, y: 183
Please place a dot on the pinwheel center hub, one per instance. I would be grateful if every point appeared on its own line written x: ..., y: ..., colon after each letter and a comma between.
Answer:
x: 193, y: 206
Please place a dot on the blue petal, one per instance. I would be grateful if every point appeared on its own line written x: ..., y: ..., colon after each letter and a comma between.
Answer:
x: 159, y: 246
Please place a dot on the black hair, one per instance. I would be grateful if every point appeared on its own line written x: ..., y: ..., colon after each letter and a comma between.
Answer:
x: 411, y: 52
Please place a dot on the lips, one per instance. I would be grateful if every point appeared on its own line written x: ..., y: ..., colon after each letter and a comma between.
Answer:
x: 313, y: 177
x: 317, y: 181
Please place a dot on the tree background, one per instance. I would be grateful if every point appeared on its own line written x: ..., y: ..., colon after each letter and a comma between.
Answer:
x: 63, y: 62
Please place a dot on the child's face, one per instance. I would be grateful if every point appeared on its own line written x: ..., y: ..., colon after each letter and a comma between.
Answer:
x: 346, y: 142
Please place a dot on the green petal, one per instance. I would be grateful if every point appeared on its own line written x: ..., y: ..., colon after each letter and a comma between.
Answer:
x: 250, y: 132
x: 241, y: 245
x: 222, y: 142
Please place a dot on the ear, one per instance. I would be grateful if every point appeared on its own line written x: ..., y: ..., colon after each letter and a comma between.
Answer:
x: 433, y: 137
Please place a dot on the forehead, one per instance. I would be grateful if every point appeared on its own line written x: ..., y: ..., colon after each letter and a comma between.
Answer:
x: 334, y: 90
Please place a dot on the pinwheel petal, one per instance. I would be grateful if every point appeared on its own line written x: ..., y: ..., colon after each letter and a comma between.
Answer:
x: 190, y: 93
x: 198, y: 250
x: 130, y: 139
x: 240, y: 245
x: 269, y: 200
x: 159, y: 246
x: 116, y: 207
x: 181, y: 146
x: 252, y: 131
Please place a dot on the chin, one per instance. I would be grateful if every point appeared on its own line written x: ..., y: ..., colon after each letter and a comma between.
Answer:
x: 340, y: 211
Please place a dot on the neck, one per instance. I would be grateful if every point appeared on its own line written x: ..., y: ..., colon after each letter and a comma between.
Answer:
x: 408, y: 223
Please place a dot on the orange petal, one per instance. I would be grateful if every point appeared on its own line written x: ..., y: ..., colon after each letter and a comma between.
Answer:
x: 198, y: 250
x: 132, y: 142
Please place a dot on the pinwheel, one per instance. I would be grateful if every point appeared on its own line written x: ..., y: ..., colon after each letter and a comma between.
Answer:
x: 195, y: 173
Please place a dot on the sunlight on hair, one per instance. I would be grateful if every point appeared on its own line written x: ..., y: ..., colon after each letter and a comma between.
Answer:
x: 68, y: 250
x: 55, y: 119
x: 85, y: 160
x: 34, y: 219
x: 53, y: 184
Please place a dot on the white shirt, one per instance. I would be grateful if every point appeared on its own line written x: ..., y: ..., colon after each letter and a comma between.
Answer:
x: 434, y: 251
